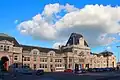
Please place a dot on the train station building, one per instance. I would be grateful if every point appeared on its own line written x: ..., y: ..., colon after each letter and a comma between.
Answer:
x: 75, y: 52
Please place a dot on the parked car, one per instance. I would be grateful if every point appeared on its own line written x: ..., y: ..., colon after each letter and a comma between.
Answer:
x: 100, y: 69
x: 59, y: 69
x: 91, y: 70
x: 40, y: 72
x: 83, y: 70
x: 107, y: 69
x: 80, y: 71
x: 68, y: 70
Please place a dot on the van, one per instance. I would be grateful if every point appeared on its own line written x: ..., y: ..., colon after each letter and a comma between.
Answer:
x: 59, y: 69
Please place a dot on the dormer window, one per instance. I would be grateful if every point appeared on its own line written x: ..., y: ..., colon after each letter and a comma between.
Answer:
x: 1, y: 47
x: 51, y: 54
x: 6, y: 48
x: 35, y: 52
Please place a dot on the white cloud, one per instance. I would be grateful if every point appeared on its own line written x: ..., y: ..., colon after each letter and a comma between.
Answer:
x: 106, y: 39
x: 70, y: 8
x: 92, y: 21
x: 51, y: 9
x: 57, y: 44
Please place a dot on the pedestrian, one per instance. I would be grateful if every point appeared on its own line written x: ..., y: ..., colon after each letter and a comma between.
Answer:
x: 117, y: 67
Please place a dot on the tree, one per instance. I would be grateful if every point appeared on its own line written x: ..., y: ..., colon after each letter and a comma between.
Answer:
x: 2, y: 62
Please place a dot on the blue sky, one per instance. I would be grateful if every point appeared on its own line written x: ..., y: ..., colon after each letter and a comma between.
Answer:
x: 23, y: 10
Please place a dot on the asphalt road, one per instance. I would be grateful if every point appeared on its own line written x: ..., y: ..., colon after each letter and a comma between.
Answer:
x: 66, y: 76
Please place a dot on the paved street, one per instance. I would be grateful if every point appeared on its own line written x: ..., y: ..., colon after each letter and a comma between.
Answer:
x: 67, y: 76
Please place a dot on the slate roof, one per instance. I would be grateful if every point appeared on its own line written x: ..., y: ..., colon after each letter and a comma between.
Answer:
x: 104, y: 53
x: 75, y: 37
x: 41, y: 49
x: 9, y: 38
x: 70, y: 42
x: 67, y: 50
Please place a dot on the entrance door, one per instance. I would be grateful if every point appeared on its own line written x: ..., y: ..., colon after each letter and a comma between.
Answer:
x: 87, y: 66
x: 76, y: 67
x: 113, y: 64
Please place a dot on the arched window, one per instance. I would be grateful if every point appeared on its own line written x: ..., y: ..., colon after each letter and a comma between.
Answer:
x: 35, y: 51
x: 51, y: 53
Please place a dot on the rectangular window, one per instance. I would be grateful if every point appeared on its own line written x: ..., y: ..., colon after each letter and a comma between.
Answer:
x: 51, y: 60
x: 7, y: 48
x: 35, y: 58
x: 69, y: 65
x: 1, y: 47
x: 45, y: 65
x: 24, y: 58
x: 15, y: 57
x: 40, y: 66
x: 57, y: 60
x: 60, y: 65
x: 28, y: 59
x: 26, y: 65
x: 43, y: 59
x: 34, y: 66
x: 70, y: 60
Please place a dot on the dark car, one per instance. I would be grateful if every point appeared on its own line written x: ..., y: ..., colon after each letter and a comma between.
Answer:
x: 80, y: 71
x: 68, y: 70
x: 91, y: 70
x: 40, y: 72
x: 108, y: 69
x: 83, y: 70
x: 98, y: 69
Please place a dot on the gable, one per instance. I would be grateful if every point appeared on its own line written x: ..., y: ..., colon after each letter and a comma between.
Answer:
x: 74, y: 39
